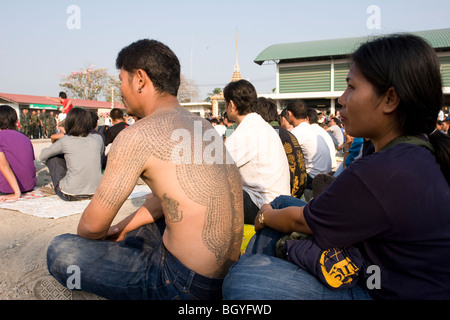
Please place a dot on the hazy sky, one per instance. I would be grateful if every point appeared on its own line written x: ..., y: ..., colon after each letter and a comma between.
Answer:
x: 37, y: 44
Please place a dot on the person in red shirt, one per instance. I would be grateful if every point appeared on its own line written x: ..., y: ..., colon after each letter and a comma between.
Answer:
x: 66, y: 107
x: 66, y: 103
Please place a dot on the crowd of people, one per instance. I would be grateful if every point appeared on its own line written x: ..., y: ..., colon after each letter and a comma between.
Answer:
x: 42, y: 124
x: 320, y: 228
x: 76, y: 158
x: 375, y: 214
x: 37, y: 124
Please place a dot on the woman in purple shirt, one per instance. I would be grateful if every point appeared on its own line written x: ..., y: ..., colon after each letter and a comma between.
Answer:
x: 17, y: 170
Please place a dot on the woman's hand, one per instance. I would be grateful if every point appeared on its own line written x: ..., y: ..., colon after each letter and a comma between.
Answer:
x: 7, y: 197
x: 265, y: 208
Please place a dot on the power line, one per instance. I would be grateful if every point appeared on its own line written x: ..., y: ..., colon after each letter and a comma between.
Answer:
x: 224, y: 83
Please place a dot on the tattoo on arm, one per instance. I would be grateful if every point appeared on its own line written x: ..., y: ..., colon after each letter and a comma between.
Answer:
x: 126, y: 160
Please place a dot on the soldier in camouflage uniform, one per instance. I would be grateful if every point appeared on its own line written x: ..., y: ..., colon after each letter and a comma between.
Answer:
x: 40, y: 124
x: 25, y: 122
x: 51, y: 122
x: 34, y: 128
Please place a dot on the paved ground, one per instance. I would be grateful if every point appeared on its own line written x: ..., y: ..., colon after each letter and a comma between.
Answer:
x: 24, y: 240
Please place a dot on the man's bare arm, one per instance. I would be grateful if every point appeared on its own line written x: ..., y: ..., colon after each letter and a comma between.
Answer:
x: 95, y: 221
x: 150, y: 212
x: 126, y: 160
x: 53, y: 99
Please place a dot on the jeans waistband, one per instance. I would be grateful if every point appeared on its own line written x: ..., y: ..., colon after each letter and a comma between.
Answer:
x: 196, y: 283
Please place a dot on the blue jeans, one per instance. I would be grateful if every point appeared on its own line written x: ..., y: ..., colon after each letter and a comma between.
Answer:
x: 260, y: 275
x: 139, y: 267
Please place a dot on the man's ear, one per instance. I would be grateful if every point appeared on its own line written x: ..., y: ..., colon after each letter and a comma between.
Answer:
x: 391, y: 100
x: 289, y: 115
x: 232, y: 106
x: 141, y: 79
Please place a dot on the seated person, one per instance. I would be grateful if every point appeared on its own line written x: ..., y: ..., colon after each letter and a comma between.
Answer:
x: 256, y: 149
x: 231, y: 125
x: 314, y: 147
x: 110, y: 133
x: 181, y: 242
x: 283, y: 120
x: 379, y: 203
x: 335, y: 130
x: 95, y: 131
x: 267, y: 109
x: 118, y: 124
x: 74, y: 160
x: 17, y: 170
x: 313, y: 120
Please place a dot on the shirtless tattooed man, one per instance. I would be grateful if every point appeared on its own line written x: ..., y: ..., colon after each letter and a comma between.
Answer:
x: 182, y: 241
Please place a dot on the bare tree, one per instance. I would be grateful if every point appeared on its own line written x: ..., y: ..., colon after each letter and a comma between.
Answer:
x: 188, y: 91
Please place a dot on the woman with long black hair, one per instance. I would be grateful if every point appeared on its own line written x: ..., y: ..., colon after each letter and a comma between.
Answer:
x: 391, y: 205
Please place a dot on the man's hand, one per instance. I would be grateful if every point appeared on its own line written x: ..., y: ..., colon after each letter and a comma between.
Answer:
x: 148, y: 213
x: 115, y: 234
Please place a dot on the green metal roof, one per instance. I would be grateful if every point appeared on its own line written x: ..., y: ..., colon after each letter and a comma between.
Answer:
x: 325, y: 49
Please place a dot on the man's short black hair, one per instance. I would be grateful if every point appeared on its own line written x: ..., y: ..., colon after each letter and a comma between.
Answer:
x: 63, y: 95
x: 313, y: 116
x: 243, y: 94
x: 298, y: 108
x: 284, y: 113
x: 116, y: 113
x: 157, y: 60
x: 267, y: 109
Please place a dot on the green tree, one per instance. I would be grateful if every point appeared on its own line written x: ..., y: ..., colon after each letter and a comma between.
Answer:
x: 214, y: 92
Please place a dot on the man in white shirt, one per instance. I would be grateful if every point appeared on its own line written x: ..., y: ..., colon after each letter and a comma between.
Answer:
x: 314, y: 147
x: 219, y: 126
x: 256, y: 149
x: 60, y: 126
x: 441, y: 115
x: 313, y: 119
x: 336, y: 131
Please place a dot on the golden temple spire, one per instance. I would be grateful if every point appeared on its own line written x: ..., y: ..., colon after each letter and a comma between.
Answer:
x: 237, y: 72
